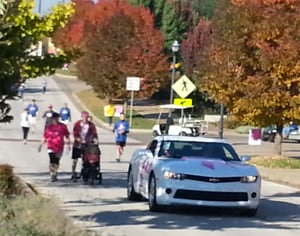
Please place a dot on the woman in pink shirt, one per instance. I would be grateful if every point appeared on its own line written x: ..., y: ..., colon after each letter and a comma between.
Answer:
x: 54, y: 136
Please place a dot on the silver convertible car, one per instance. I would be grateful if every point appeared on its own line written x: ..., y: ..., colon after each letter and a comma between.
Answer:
x: 193, y: 171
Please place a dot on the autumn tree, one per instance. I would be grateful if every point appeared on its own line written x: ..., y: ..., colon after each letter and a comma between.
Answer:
x: 119, y: 40
x: 20, y: 30
x: 204, y: 8
x: 193, y: 46
x: 253, y: 63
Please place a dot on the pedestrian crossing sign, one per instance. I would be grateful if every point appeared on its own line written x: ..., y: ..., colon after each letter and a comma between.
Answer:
x: 183, y: 87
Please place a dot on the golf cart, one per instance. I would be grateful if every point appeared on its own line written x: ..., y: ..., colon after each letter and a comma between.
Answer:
x: 186, y: 126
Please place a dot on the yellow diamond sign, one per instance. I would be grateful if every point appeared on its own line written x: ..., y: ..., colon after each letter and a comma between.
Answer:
x: 184, y: 86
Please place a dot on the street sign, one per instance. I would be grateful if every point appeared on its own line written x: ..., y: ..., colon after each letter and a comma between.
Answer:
x: 184, y: 86
x: 183, y: 101
x: 133, y: 83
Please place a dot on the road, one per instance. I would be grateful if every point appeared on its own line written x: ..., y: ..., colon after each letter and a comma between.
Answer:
x: 105, y: 208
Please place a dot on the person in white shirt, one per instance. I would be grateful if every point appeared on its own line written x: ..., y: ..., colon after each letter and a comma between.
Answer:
x: 25, y: 124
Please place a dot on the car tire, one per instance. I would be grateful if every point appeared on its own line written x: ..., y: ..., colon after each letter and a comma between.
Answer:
x: 249, y: 212
x: 154, y: 133
x: 132, y: 195
x: 153, y: 206
x: 272, y: 138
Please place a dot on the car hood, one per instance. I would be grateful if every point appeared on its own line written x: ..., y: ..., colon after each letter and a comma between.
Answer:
x: 209, y: 167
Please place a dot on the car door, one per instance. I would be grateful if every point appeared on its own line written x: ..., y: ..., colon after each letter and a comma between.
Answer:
x: 146, y: 166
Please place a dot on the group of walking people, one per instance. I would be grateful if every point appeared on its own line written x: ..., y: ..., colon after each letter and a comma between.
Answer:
x: 30, y: 115
x: 57, y: 135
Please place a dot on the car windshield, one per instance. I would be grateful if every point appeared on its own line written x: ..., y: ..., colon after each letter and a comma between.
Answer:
x: 178, y: 149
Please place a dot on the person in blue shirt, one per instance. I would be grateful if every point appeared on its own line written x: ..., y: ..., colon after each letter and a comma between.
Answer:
x: 33, y: 111
x: 65, y: 114
x: 121, y: 129
x: 286, y: 130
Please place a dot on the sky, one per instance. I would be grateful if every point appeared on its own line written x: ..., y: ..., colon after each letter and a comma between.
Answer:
x: 46, y: 5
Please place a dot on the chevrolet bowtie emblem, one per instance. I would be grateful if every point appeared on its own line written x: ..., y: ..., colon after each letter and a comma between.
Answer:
x: 214, y: 180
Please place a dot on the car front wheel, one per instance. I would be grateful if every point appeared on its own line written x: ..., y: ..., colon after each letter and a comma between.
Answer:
x: 132, y: 195
x: 153, y: 206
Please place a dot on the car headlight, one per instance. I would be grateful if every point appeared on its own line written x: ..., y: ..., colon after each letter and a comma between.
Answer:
x: 172, y: 175
x: 248, y: 179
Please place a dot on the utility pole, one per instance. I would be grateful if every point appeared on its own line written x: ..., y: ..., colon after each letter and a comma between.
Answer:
x: 40, y: 7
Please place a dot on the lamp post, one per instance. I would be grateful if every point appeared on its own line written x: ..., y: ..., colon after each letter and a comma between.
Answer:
x: 221, y: 125
x: 175, y: 48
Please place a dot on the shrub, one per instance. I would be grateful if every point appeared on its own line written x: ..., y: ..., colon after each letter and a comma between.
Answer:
x: 7, y: 180
x: 34, y: 216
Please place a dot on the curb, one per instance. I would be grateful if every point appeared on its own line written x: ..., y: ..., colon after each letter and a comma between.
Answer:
x: 66, y: 76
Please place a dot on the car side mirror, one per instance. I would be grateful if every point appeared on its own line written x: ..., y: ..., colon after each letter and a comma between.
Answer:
x: 149, y: 153
x: 245, y: 158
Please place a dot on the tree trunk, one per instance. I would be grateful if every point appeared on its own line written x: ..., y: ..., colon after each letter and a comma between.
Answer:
x: 278, y: 141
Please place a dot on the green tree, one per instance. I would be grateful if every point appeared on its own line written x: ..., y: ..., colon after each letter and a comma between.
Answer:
x: 158, y: 11
x: 20, y: 30
x: 253, y: 63
x: 168, y: 16
x: 172, y: 25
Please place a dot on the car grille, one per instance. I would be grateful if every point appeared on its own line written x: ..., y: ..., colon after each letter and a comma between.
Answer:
x: 211, y: 196
x: 212, y: 179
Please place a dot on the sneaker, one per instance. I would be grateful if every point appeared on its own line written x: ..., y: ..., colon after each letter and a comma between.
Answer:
x: 74, y: 177
x: 53, y: 178
x: 118, y: 160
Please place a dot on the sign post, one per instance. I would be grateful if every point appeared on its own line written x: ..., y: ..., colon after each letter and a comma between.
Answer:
x: 132, y: 84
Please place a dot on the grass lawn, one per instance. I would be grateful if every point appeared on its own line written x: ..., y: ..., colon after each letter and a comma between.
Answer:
x: 276, y: 162
x: 96, y: 106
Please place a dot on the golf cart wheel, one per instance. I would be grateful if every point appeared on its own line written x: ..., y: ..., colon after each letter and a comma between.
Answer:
x: 155, y: 133
x: 183, y: 133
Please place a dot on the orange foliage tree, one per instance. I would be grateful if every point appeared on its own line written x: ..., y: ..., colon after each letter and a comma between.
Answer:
x: 116, y: 40
x: 253, y: 62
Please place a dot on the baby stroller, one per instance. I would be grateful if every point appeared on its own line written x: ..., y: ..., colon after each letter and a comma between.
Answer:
x: 90, y: 171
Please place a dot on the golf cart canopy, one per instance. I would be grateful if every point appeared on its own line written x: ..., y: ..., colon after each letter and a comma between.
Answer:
x: 172, y: 106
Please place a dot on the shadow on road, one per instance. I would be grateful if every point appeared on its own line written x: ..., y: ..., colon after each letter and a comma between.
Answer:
x: 203, y: 218
x: 110, y: 180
